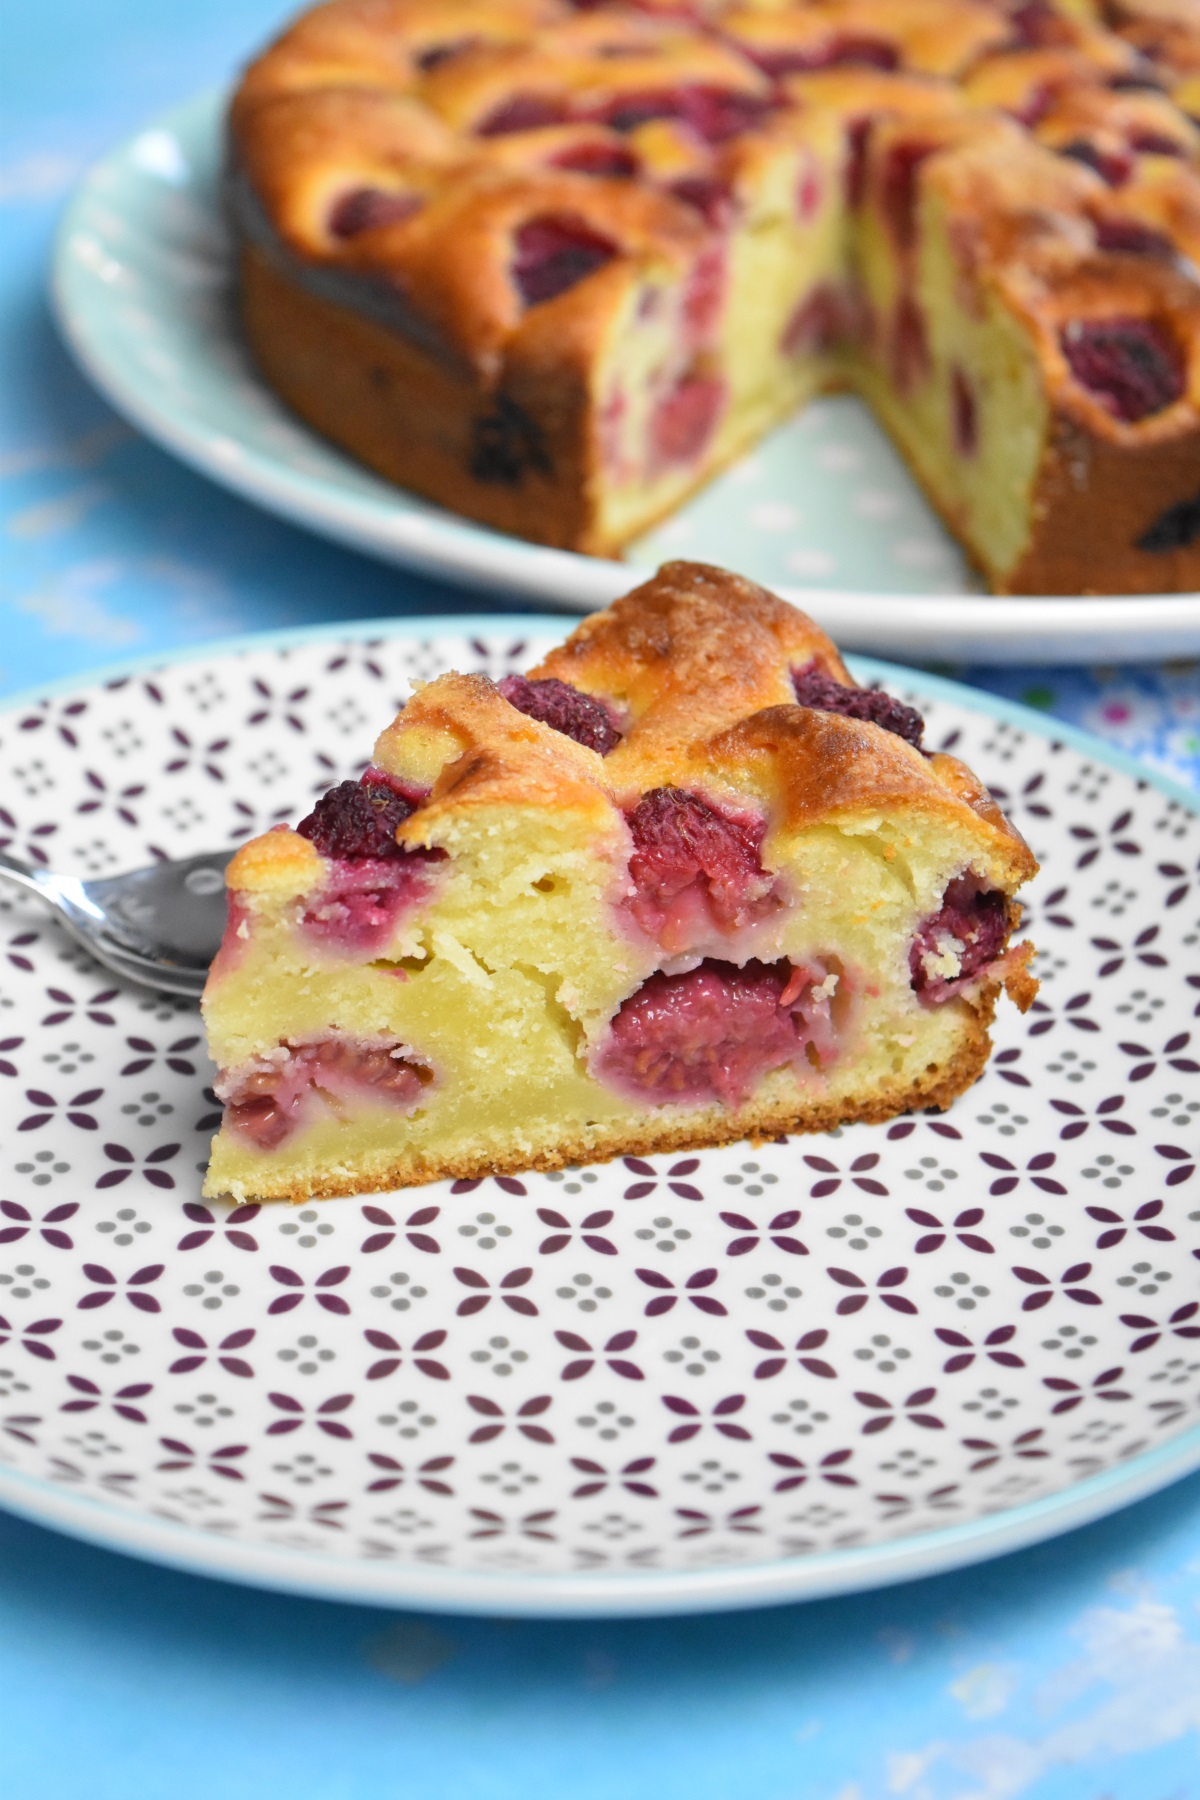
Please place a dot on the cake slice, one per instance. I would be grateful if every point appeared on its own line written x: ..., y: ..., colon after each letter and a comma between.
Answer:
x: 683, y: 883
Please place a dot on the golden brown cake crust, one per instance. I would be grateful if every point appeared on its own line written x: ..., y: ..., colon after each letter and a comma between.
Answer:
x: 692, y: 630
x: 700, y: 662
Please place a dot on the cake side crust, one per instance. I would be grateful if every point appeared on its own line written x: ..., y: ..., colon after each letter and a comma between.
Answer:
x: 416, y: 419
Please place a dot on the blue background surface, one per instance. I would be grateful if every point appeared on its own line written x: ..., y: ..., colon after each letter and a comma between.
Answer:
x: 1071, y: 1672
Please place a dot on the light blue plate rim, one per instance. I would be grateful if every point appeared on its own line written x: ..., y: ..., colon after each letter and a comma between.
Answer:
x: 596, y: 1595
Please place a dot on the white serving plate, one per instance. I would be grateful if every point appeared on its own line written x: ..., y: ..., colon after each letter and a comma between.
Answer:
x: 824, y: 511
x: 735, y: 1377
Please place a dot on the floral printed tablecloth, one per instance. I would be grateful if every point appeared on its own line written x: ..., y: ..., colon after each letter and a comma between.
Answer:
x: 1071, y: 1672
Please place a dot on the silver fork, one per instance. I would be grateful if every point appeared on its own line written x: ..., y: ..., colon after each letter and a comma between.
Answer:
x: 159, y: 927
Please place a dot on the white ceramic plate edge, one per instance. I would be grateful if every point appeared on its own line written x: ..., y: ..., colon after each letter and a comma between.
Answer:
x: 438, y: 1589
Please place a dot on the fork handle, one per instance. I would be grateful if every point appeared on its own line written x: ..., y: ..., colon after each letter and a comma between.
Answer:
x: 23, y: 875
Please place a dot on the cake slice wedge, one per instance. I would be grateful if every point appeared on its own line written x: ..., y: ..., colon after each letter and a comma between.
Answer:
x: 683, y: 883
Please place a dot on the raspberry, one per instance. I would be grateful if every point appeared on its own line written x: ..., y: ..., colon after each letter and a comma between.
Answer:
x: 850, y: 49
x: 911, y: 363
x: 555, y: 253
x: 524, y: 112
x: 564, y: 708
x: 613, y: 161
x: 712, y: 199
x: 684, y: 420
x: 862, y: 52
x: 1036, y: 25
x: 898, y: 190
x: 858, y: 138
x: 821, y: 321
x: 507, y: 444
x: 360, y: 908
x: 360, y: 902
x: 267, y: 1106
x: 259, y: 1118
x: 1133, y: 365
x: 712, y: 1033
x: 360, y: 905
x: 714, y: 114
x: 610, y: 428
x: 818, y: 690
x: 977, y: 919
x: 1132, y: 237
x: 704, y: 295
x: 1156, y: 143
x: 358, y: 819
x: 364, y: 209
x: 693, y: 865
x: 1174, y: 529
x: 1113, y: 166
x: 1038, y: 102
x: 809, y: 189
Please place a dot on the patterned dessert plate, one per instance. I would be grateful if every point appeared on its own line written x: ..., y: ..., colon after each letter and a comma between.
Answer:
x: 661, y: 1384
x: 824, y: 510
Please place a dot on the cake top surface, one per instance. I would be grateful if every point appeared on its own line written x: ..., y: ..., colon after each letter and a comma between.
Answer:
x: 708, y: 684
x: 502, y: 172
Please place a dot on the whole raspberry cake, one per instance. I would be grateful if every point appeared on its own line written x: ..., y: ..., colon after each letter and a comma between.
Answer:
x: 682, y: 883
x: 553, y: 263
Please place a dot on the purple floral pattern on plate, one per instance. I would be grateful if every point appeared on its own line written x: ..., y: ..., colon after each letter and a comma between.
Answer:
x: 660, y: 1364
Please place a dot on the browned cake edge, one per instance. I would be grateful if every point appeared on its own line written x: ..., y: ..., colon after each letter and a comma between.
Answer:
x: 1094, y: 502
x: 422, y: 422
